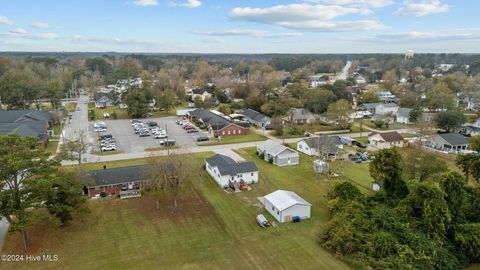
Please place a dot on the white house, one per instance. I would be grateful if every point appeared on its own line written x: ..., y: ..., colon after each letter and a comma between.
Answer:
x: 225, y: 170
x: 387, y: 108
x: 279, y: 154
x: 449, y: 142
x: 319, y: 146
x: 385, y: 140
x: 285, y: 205
x: 403, y: 115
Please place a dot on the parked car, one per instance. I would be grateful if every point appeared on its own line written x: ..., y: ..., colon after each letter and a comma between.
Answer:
x: 359, y: 144
x: 144, y: 134
x: 202, y: 139
x: 161, y: 135
x: 167, y: 142
x: 262, y: 221
x: 192, y: 130
x: 188, y: 127
x: 152, y: 124
x: 108, y: 148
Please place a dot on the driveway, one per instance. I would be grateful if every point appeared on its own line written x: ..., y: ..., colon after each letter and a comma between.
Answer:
x: 3, y: 231
x: 230, y: 153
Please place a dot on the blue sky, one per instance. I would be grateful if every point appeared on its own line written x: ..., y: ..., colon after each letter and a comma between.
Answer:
x: 234, y: 26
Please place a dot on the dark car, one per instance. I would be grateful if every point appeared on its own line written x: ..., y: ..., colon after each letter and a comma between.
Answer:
x: 144, y: 134
x: 109, y: 136
x: 152, y: 124
x: 192, y: 131
x: 359, y: 144
x: 202, y: 139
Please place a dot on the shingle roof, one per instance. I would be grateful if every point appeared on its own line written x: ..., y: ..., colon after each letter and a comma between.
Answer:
x: 29, y: 129
x: 454, y: 138
x: 122, y: 175
x: 332, y: 142
x: 404, y: 112
x: 369, y: 106
x: 256, y: 116
x: 216, y: 122
x: 227, y: 166
x: 273, y: 148
x: 200, y: 91
x: 283, y: 199
x: 16, y: 116
x: 391, y: 136
x: 99, y: 95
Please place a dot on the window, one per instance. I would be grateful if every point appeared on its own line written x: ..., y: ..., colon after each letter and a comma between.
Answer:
x: 273, y: 208
x: 289, y: 160
x: 278, y: 212
x: 252, y: 173
x: 234, y: 132
x: 229, y: 132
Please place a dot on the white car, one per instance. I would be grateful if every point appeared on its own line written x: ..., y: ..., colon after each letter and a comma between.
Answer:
x: 161, y: 135
x: 99, y: 124
x: 109, y: 148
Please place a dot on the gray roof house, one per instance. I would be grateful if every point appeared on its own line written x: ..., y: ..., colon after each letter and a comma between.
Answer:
x: 277, y: 153
x: 449, y: 142
x: 26, y: 116
x: 27, y: 123
x: 316, y: 146
x: 370, y: 107
x: 301, y: 116
x: 104, y: 100
x: 225, y: 170
x: 403, y: 115
x: 257, y: 119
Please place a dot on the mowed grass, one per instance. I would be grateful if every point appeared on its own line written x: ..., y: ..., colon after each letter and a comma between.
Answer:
x: 251, y: 137
x: 211, y: 229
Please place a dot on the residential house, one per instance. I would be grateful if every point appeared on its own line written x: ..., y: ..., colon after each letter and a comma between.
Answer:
x: 449, y: 142
x: 277, y: 153
x: 125, y: 182
x: 387, y: 97
x: 403, y: 115
x: 301, y: 116
x: 257, y: 119
x: 360, y: 79
x: 384, y: 140
x: 316, y: 81
x: 216, y: 124
x: 226, y: 171
x: 27, y: 123
x: 104, y: 100
x: 202, y: 93
x: 286, y: 205
x: 368, y: 107
x: 471, y: 129
x: 324, y: 146
x: 387, y: 108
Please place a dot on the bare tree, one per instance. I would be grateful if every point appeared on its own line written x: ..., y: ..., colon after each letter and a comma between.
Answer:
x: 169, y: 174
x: 74, y: 150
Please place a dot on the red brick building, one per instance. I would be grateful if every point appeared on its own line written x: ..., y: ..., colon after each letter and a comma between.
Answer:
x: 218, y: 125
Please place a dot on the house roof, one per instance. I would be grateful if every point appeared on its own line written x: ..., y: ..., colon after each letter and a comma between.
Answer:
x: 369, y: 106
x: 122, y: 175
x: 256, y: 116
x: 28, y: 129
x: 283, y: 199
x: 274, y: 148
x: 332, y: 142
x: 404, y: 112
x: 388, y: 105
x: 301, y: 114
x: 216, y: 122
x: 200, y: 91
x: 453, y: 138
x: 227, y: 166
x: 16, y: 116
x: 391, y: 136
x: 99, y: 95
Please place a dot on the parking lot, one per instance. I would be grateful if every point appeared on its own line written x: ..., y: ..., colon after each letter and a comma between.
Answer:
x: 129, y: 142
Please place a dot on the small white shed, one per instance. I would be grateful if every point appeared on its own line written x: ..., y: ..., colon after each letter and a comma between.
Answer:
x: 284, y: 205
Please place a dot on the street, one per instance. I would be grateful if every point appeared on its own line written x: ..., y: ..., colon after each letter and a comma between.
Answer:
x: 344, y: 74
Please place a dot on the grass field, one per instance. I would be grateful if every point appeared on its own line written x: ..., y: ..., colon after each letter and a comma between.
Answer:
x: 251, y: 137
x: 211, y: 229
x: 121, y: 113
x: 52, y: 147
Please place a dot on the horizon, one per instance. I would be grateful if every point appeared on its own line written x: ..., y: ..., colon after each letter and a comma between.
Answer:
x: 225, y: 27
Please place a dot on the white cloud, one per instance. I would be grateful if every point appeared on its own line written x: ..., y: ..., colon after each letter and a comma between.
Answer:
x: 248, y: 32
x: 145, y: 3
x: 422, y: 8
x: 188, y: 4
x: 19, y: 31
x: 5, y: 20
x: 360, y: 3
x: 213, y: 40
x: 416, y: 37
x: 308, y: 17
x: 39, y: 25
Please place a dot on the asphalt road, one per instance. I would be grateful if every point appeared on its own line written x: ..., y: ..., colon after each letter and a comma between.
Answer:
x: 344, y: 74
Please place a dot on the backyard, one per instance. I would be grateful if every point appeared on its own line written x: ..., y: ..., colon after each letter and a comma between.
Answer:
x: 251, y: 137
x: 211, y: 229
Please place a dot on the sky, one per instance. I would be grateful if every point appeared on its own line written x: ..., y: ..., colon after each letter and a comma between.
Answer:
x: 241, y: 26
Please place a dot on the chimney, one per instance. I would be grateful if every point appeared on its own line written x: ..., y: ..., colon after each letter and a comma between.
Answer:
x: 104, y: 167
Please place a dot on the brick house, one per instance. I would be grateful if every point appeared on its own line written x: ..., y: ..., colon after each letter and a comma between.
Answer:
x: 216, y: 124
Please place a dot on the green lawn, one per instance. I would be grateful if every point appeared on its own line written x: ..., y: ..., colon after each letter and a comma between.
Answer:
x: 251, y: 137
x: 358, y: 174
x: 121, y: 113
x: 52, y: 147
x: 211, y: 229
